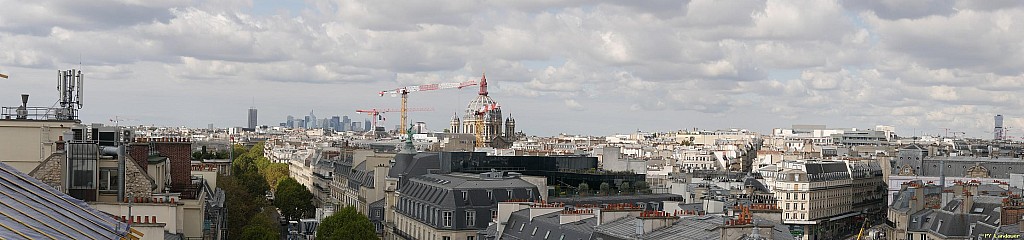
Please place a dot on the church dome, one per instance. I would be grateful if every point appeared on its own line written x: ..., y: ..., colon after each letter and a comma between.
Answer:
x: 483, y: 102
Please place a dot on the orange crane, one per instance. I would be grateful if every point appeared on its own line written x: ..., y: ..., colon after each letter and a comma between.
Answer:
x: 404, y: 91
x: 375, y: 114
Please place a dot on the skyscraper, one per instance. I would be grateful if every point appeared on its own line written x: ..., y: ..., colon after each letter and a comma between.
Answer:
x: 336, y: 123
x: 252, y: 117
x: 998, y: 131
x: 367, y: 125
x: 311, y: 121
x: 291, y: 122
x: 346, y: 123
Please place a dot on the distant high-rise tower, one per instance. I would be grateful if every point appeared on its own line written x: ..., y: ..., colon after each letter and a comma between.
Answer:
x: 311, y: 121
x: 346, y: 124
x: 336, y: 123
x: 998, y: 132
x: 252, y: 117
x: 290, y: 123
x: 367, y: 125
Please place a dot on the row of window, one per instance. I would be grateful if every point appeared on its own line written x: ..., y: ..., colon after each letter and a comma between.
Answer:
x: 428, y: 213
x: 419, y: 232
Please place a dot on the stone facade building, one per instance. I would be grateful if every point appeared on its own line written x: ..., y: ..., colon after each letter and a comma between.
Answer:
x: 817, y: 195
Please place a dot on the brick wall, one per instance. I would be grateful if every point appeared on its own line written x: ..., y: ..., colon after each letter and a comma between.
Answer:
x: 140, y: 153
x: 177, y: 150
x: 180, y: 156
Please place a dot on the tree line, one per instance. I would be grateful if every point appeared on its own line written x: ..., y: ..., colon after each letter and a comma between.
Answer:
x: 250, y: 212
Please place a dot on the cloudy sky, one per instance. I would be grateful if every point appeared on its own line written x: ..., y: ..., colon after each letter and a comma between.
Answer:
x: 579, y: 67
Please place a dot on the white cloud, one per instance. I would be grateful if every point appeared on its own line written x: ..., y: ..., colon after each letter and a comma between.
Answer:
x: 712, y: 64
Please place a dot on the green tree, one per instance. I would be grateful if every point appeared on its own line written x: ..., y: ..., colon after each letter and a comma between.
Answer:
x: 346, y: 224
x: 606, y: 188
x: 240, y: 203
x: 584, y: 188
x: 293, y: 199
x: 643, y: 187
x: 275, y: 172
x: 625, y: 188
x: 261, y: 226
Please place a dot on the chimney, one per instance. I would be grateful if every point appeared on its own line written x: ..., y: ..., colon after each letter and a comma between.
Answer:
x: 650, y: 221
x: 617, y: 211
x: 23, y: 109
x: 575, y: 215
x: 541, y: 209
x: 917, y: 201
x: 970, y: 190
x: 60, y: 144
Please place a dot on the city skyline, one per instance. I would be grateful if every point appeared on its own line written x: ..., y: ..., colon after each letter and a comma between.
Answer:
x: 587, y: 68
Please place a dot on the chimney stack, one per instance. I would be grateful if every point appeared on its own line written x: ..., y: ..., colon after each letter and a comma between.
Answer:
x: 23, y: 109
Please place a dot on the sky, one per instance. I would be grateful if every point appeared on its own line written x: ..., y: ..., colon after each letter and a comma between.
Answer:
x: 576, y: 67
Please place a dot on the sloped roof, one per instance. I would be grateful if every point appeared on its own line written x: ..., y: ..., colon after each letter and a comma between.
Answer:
x: 31, y: 209
x: 547, y: 224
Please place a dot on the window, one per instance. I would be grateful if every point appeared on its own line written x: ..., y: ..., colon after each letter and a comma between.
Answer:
x: 490, y: 194
x: 108, y: 180
x: 529, y: 192
x: 82, y: 169
x: 494, y: 214
x: 446, y: 218
x: 787, y: 206
x: 465, y: 195
x: 470, y: 218
x: 446, y: 238
x: 509, y: 193
x: 470, y: 237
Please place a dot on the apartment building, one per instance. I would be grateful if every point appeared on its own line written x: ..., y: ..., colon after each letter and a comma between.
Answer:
x: 814, y: 195
x: 455, y: 206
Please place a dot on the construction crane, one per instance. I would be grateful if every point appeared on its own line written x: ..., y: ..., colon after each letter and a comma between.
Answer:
x: 375, y: 114
x: 480, y: 114
x: 863, y: 225
x: 404, y: 91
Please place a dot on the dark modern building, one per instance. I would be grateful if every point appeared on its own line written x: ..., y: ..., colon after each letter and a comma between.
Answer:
x: 566, y: 171
x: 252, y: 118
x: 336, y: 123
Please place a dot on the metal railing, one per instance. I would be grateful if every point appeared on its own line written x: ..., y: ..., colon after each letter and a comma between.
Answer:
x: 31, y: 113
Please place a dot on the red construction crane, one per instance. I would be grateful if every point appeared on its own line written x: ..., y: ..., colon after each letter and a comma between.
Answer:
x: 404, y: 91
x: 375, y: 114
